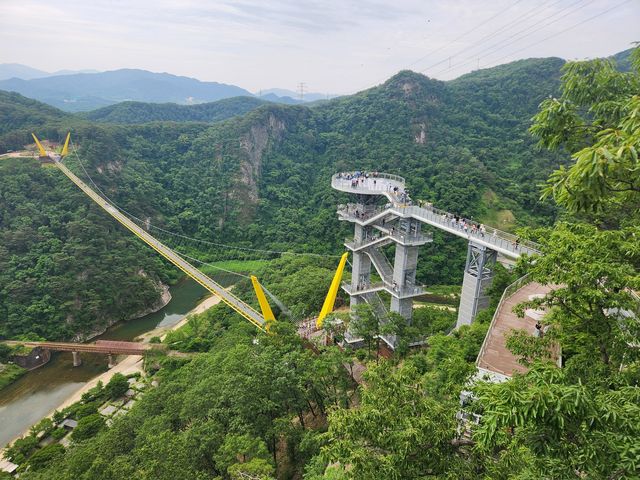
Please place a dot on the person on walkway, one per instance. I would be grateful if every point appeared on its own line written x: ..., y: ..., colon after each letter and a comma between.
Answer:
x: 538, y: 332
x: 483, y: 230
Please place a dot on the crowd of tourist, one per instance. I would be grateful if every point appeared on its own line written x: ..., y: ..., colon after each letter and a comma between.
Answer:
x: 369, y: 180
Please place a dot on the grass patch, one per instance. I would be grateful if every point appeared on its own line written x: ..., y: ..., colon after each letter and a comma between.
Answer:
x: 445, y: 289
x: 9, y: 373
x: 238, y: 266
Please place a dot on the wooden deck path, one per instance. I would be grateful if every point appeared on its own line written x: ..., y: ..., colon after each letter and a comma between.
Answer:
x: 496, y: 357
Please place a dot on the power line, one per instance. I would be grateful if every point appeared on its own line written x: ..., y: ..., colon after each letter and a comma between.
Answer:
x: 451, y: 42
x: 563, y: 31
x: 515, y: 21
x: 185, y: 237
x: 484, y: 22
x: 500, y: 45
x: 476, y: 55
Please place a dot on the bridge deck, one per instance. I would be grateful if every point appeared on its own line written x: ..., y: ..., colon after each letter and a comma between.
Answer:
x: 227, y: 297
x: 101, y: 346
x: 504, y: 243
x: 494, y: 355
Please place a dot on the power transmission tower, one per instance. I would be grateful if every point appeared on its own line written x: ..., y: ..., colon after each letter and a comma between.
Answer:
x: 301, y: 90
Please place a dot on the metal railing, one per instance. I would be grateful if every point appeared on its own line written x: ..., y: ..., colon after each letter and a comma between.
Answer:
x: 492, y: 236
x: 510, y: 290
x: 391, y: 236
x: 372, y: 175
x: 400, y: 292
x: 382, y: 183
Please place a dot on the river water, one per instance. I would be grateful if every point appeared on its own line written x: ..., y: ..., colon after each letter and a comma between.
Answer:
x: 37, y: 393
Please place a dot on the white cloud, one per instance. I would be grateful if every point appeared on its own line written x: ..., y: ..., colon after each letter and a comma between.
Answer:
x: 333, y: 46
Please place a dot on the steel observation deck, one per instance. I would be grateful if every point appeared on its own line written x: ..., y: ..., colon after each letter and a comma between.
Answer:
x: 393, y: 186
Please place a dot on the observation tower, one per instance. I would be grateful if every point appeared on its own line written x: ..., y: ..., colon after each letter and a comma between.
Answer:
x: 398, y: 222
x: 376, y: 226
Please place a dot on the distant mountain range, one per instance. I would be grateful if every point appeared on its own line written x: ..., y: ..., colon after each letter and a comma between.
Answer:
x: 17, y: 70
x: 295, y: 96
x: 88, y: 90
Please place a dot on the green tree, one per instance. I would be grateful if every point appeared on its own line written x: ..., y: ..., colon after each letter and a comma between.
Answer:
x: 45, y: 456
x: 597, y: 119
x: 548, y: 426
x: 365, y: 324
x: 397, y: 431
x: 88, y: 427
x: 117, y: 386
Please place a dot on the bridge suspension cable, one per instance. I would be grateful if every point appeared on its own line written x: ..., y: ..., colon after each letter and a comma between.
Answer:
x: 193, y: 239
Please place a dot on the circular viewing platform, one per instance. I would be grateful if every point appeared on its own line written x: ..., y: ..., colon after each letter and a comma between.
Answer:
x: 368, y: 183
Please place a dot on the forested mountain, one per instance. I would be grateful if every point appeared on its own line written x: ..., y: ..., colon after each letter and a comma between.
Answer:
x: 262, y: 179
x: 87, y: 91
x: 240, y: 404
x: 19, y: 112
x: 138, y: 112
x: 65, y: 269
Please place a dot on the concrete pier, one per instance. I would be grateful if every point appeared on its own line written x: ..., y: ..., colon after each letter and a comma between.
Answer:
x: 77, y: 361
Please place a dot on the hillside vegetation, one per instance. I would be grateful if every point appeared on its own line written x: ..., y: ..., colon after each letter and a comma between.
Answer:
x: 241, y: 404
x: 139, y: 112
x: 261, y: 180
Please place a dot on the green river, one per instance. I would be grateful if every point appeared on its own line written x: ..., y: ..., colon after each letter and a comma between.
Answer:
x: 40, y: 391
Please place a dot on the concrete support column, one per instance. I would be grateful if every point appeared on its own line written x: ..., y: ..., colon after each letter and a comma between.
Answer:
x: 77, y: 361
x: 360, y: 267
x: 478, y: 275
x: 404, y: 276
x: 112, y: 360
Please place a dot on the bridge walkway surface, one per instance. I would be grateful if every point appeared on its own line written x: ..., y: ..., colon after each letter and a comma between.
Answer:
x: 101, y: 346
x: 393, y: 188
x: 227, y: 297
x: 494, y: 356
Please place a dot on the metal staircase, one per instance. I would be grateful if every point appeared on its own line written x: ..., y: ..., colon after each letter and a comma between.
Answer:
x: 381, y: 264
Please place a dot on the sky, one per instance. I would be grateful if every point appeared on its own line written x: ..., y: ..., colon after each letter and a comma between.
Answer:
x: 333, y: 46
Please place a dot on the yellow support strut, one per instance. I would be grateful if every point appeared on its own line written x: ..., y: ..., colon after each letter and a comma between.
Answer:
x: 43, y: 152
x: 65, y: 149
x: 267, y: 313
x: 329, y: 302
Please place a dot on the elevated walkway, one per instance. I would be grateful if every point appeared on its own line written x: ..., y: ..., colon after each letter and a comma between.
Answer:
x: 396, y: 292
x: 392, y: 187
x: 495, y: 359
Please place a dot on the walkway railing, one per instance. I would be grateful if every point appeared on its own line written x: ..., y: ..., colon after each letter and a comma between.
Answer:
x: 510, y: 290
x: 492, y: 236
x: 399, y: 292
x: 507, y: 243
x: 402, y: 238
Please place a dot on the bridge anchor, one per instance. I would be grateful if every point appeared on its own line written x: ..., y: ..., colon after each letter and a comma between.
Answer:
x: 112, y: 360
